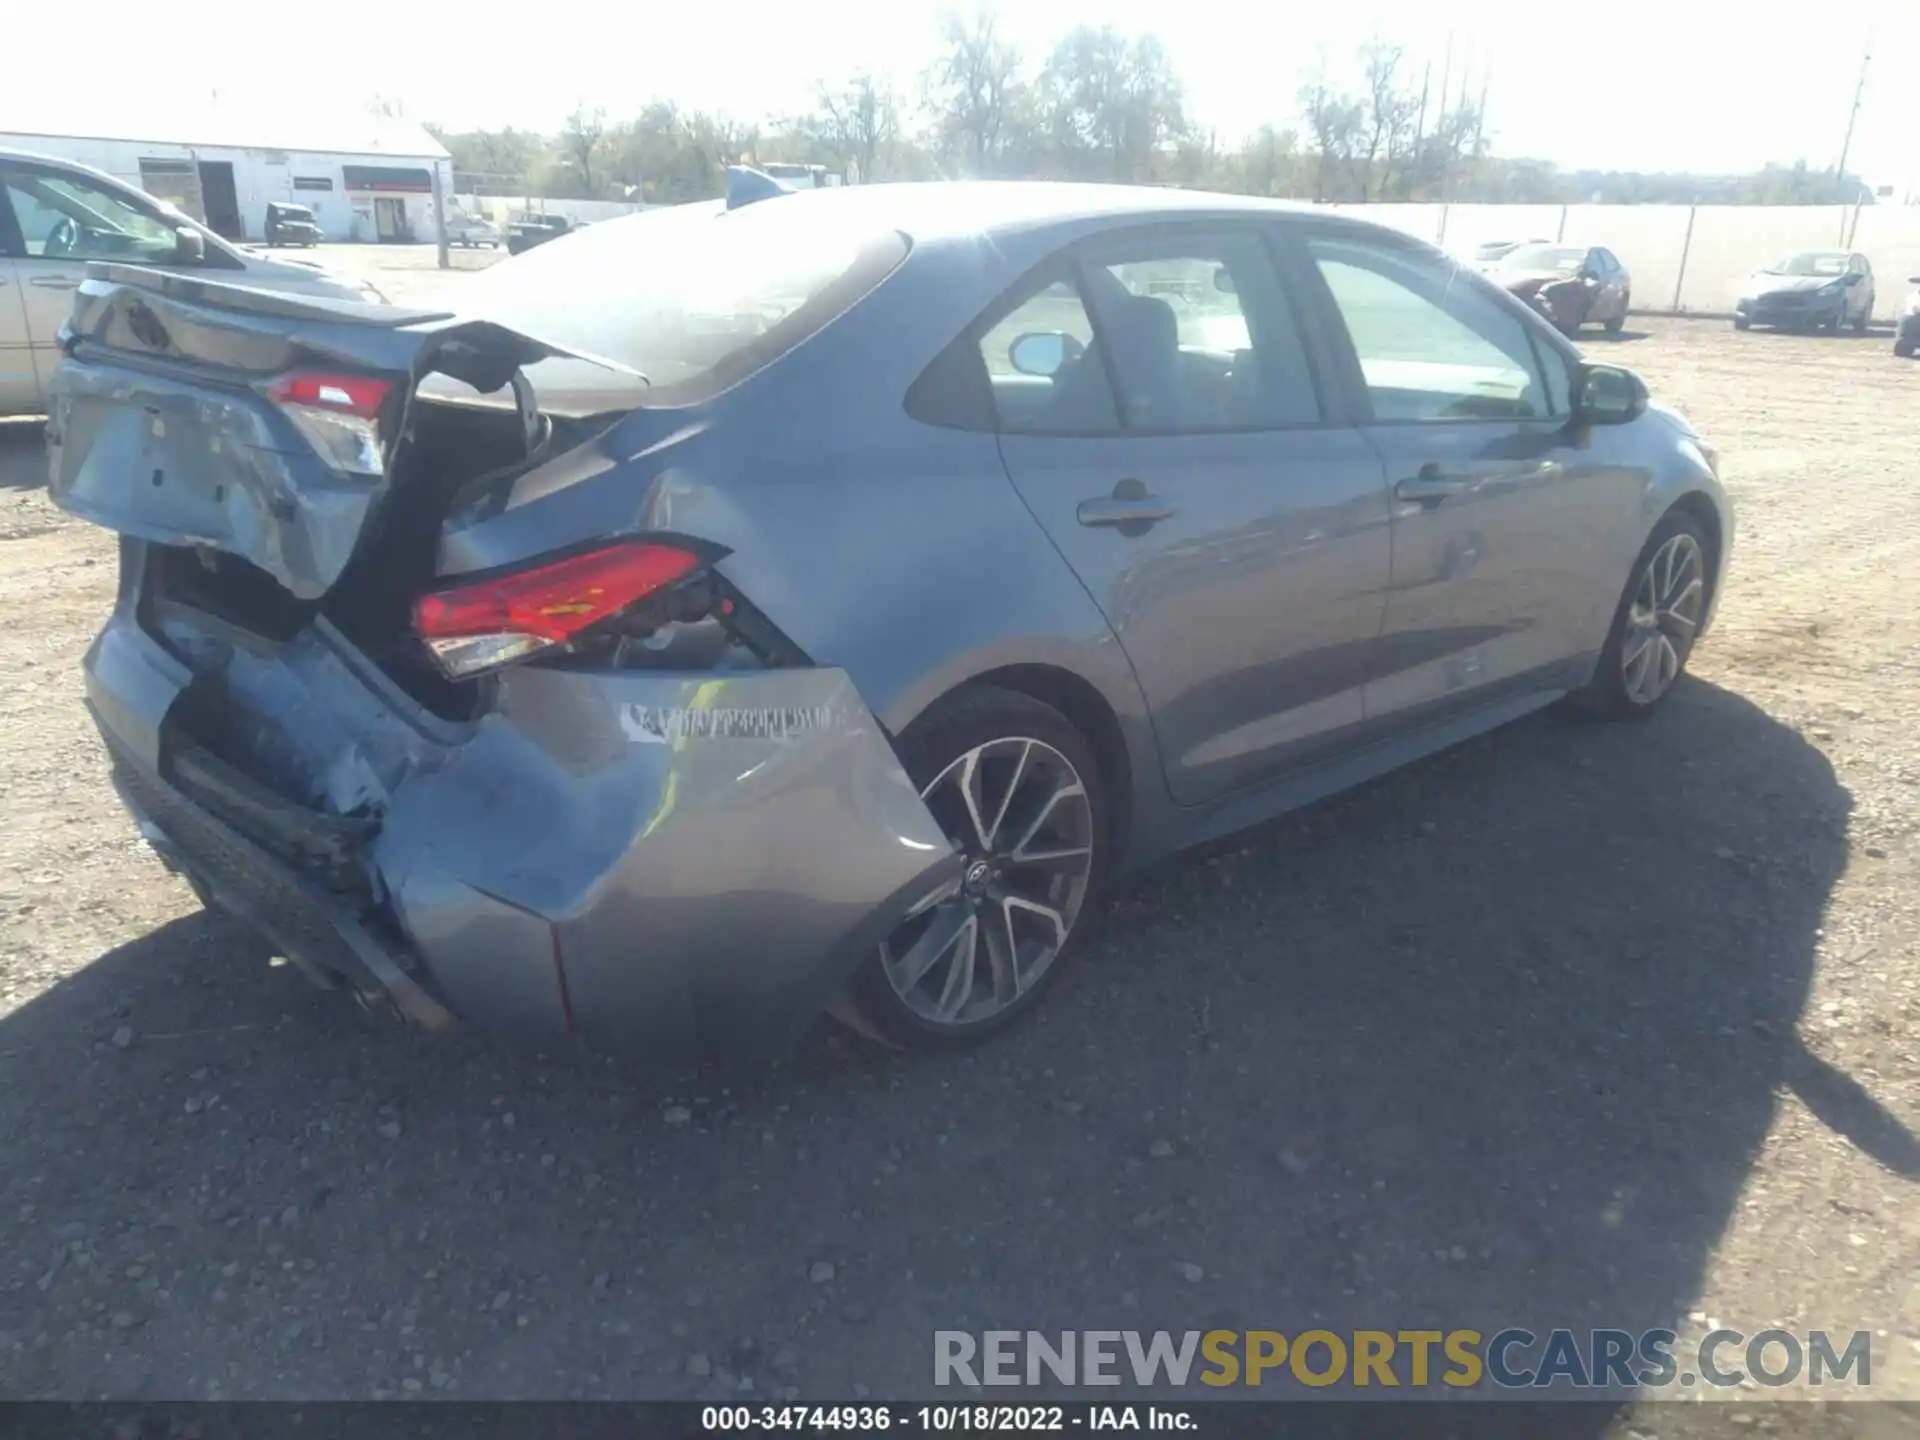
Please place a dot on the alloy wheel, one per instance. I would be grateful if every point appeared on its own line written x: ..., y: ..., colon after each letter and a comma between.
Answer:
x: 1663, y: 619
x: 1018, y: 811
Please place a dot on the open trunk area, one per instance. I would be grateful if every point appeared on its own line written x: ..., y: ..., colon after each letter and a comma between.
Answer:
x: 448, y: 449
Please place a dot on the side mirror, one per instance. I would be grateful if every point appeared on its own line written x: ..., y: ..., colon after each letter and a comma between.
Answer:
x: 1223, y: 280
x: 1607, y: 395
x: 1913, y: 279
x: 1042, y: 352
x: 190, y: 247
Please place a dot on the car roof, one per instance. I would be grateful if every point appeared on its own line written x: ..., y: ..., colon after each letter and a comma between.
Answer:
x: 935, y: 209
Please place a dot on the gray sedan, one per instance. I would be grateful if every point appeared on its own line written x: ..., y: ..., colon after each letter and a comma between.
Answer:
x: 816, y: 603
x: 1814, y: 289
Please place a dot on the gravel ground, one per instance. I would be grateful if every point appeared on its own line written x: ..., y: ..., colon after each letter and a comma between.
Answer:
x: 1574, y: 1025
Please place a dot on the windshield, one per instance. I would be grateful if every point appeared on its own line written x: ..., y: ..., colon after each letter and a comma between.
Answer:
x: 1810, y: 262
x: 1566, y: 259
x: 1493, y: 249
x: 693, y: 298
x: 800, y: 177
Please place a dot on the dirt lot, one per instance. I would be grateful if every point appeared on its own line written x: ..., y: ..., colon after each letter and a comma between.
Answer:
x: 1572, y: 1026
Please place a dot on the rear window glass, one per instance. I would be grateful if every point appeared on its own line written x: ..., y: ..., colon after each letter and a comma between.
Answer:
x: 694, y: 297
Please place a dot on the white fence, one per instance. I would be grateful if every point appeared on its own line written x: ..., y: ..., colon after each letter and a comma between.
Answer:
x: 500, y: 209
x: 1684, y: 258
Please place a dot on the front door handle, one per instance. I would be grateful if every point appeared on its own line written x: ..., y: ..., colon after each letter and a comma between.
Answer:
x: 54, y: 282
x: 1431, y: 486
x: 1147, y: 510
x: 1130, y: 506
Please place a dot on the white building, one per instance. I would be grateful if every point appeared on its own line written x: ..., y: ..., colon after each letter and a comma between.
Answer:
x: 365, y: 177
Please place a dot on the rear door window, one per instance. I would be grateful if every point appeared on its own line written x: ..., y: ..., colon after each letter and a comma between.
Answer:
x: 1202, y: 334
x: 1046, y: 373
x: 1154, y: 333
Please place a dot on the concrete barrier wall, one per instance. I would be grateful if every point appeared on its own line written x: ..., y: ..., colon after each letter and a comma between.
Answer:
x: 1683, y: 258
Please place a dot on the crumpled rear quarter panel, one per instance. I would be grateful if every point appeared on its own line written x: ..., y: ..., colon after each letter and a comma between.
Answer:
x: 693, y: 863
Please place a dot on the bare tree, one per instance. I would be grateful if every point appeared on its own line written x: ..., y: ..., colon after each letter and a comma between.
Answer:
x: 1334, y: 121
x: 1268, y: 162
x: 1111, y: 105
x: 1391, y: 110
x: 859, y: 124
x: 580, y: 142
x: 974, y: 92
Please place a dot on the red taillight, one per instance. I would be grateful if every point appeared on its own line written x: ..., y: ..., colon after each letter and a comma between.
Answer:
x: 338, y: 414
x: 361, y: 395
x: 476, y: 627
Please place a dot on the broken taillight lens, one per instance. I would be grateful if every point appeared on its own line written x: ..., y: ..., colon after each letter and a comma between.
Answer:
x: 494, y: 622
x: 339, y: 414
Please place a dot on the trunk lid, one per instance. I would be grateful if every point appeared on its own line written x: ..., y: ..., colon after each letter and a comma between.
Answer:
x: 186, y: 410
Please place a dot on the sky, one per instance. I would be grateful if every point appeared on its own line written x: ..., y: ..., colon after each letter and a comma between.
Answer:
x: 1698, y: 85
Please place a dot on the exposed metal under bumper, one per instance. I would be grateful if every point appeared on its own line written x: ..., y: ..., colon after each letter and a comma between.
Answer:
x: 307, y: 926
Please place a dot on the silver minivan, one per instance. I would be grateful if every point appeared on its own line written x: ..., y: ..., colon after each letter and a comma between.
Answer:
x: 55, y: 216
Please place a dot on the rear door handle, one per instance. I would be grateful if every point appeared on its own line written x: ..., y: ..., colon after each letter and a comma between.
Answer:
x: 54, y: 282
x: 1129, y: 504
x: 1431, y: 486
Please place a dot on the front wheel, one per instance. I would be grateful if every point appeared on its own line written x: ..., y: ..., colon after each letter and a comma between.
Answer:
x: 1861, y: 321
x: 1740, y: 322
x: 1903, y: 349
x: 1619, y: 322
x: 1655, y: 626
x: 1020, y: 796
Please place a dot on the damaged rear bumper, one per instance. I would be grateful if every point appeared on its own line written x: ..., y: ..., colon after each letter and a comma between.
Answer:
x: 690, y: 864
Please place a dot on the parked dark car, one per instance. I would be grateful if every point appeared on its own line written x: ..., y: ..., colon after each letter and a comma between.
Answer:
x: 1906, y: 341
x: 902, y: 568
x: 531, y: 230
x: 1572, y: 285
x: 291, y: 225
x: 1813, y: 290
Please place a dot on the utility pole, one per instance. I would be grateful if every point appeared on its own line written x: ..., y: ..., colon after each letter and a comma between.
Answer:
x: 1420, y: 125
x: 1480, y: 116
x: 1840, y: 179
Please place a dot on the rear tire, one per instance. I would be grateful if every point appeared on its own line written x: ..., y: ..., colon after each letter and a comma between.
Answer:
x: 1740, y: 322
x: 1654, y: 626
x: 1038, y: 794
x: 1903, y: 348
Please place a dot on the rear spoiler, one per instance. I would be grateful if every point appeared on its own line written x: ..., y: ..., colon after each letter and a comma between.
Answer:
x: 745, y: 185
x: 251, y: 300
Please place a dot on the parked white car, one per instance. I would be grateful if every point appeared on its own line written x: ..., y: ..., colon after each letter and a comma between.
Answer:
x: 55, y: 216
x: 465, y: 229
x: 1488, y: 256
